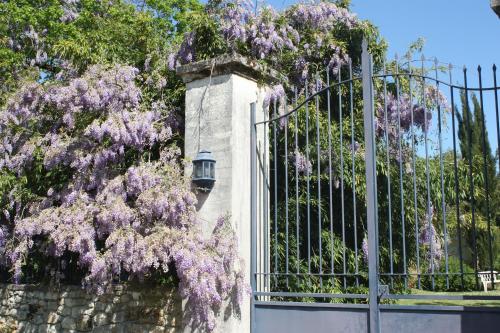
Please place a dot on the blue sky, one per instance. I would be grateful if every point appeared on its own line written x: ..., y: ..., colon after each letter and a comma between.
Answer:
x: 461, y: 32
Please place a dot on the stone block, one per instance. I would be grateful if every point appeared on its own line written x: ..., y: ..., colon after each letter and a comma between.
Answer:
x: 103, y: 307
x: 12, y: 312
x: 100, y: 319
x: 85, y: 323
x: 22, y: 315
x: 108, y: 329
x: 38, y: 319
x: 29, y: 328
x: 24, y: 307
x: 75, y: 293
x: 47, y: 328
x: 71, y: 302
x: 136, y: 295
x: 53, y: 318
x: 125, y: 298
x: 17, y: 299
x: 52, y: 306
x: 68, y: 323
x: 64, y: 310
x: 51, y: 296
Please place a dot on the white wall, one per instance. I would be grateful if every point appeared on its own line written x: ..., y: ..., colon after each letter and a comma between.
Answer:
x: 218, y: 111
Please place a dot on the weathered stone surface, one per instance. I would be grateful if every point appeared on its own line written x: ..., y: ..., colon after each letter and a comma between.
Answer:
x: 33, y: 309
x: 101, y: 319
x: 68, y: 323
x: 53, y: 318
x: 85, y: 323
x: 118, y: 317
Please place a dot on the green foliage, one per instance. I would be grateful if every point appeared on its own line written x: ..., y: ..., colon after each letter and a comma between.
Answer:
x: 103, y: 32
x: 453, y: 279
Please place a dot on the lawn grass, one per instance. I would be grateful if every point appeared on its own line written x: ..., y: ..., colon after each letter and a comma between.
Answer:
x: 494, y: 303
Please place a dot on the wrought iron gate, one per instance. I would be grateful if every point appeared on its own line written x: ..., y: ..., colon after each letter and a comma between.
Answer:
x: 357, y: 199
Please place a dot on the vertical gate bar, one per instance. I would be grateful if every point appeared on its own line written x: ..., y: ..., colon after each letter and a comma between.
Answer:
x: 308, y: 176
x: 471, y: 188
x: 296, y: 182
x: 495, y: 90
x: 318, y: 152
x: 265, y: 223
x: 441, y: 169
x: 356, y: 268
x: 375, y: 168
x: 371, y: 197
x: 400, y: 154
x: 457, y: 185
x: 253, y: 213
x: 260, y: 207
x: 328, y: 96
x: 414, y: 173
x: 275, y: 158
x: 427, y: 175
x: 486, y: 178
x: 388, y: 158
x: 286, y: 192
x: 344, y: 269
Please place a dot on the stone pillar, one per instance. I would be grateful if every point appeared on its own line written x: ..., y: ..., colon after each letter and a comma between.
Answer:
x: 219, y: 92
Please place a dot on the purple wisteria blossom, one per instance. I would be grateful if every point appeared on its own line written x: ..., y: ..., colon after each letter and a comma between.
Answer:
x: 118, y: 210
x: 399, y: 115
x: 275, y: 95
x: 430, y: 239
x: 364, y: 249
x: 70, y: 10
x: 2, y: 237
x: 301, y: 162
x: 354, y: 146
x: 323, y: 15
x: 235, y: 17
x: 265, y: 35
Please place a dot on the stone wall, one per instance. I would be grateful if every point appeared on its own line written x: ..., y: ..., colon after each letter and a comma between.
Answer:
x: 29, y: 308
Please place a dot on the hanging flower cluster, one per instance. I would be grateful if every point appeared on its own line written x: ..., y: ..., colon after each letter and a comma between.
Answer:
x: 301, y: 162
x: 118, y: 210
x: 431, y: 240
x: 399, y: 116
x: 70, y: 10
x: 304, y: 29
x: 364, y: 249
x: 275, y: 95
x: 399, y: 113
x: 324, y: 16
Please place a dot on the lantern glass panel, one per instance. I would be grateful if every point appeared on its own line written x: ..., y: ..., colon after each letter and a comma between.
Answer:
x: 206, y: 169
x: 212, y: 170
x: 198, y: 170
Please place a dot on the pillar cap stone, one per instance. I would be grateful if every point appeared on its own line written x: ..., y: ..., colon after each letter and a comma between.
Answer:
x: 228, y: 64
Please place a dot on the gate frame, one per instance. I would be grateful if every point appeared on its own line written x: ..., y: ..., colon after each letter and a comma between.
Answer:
x: 374, y: 310
x: 371, y: 182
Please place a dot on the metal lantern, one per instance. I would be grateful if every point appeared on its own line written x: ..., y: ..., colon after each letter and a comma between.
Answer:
x: 495, y: 5
x: 204, y: 170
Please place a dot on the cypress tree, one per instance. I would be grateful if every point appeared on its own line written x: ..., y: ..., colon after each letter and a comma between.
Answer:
x: 470, y: 134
